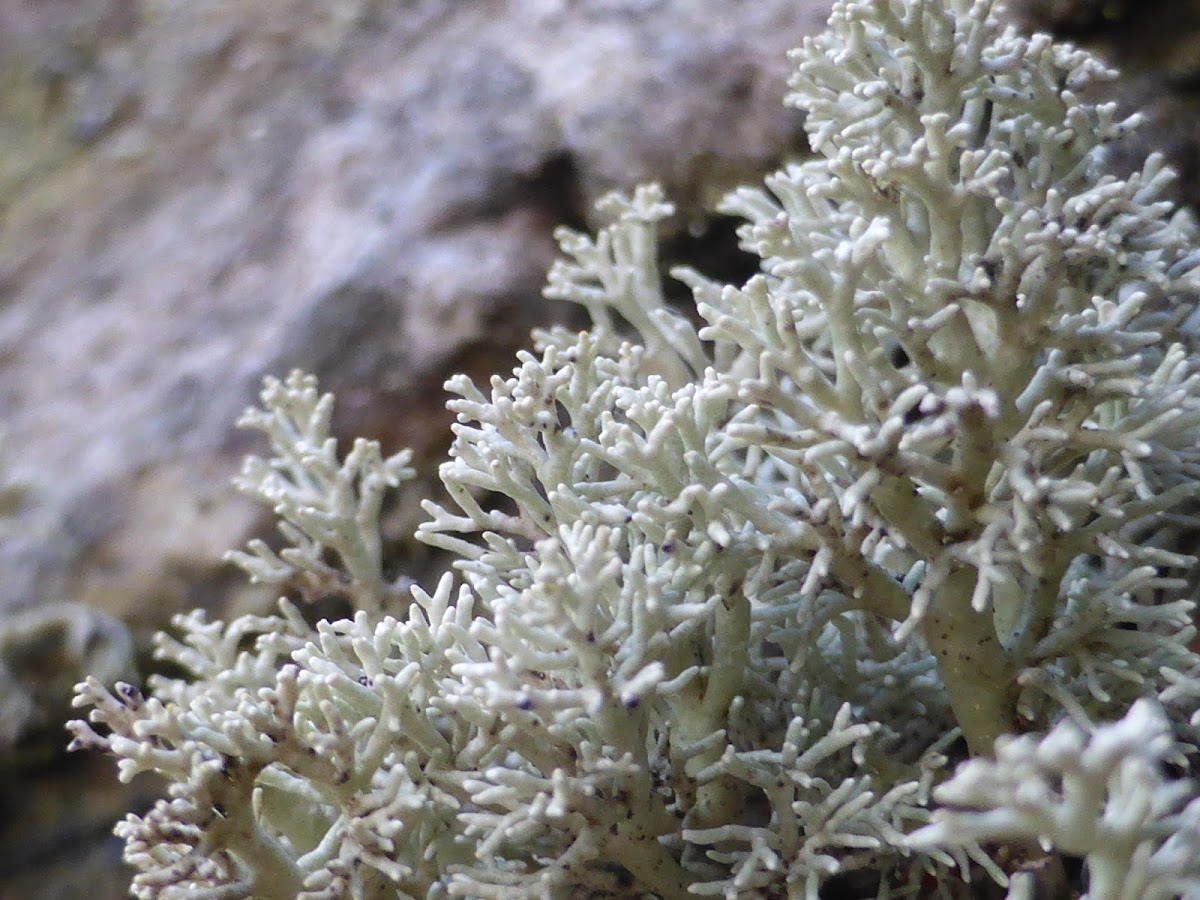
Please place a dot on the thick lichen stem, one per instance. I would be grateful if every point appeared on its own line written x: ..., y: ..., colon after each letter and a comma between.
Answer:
x: 978, y: 674
x: 731, y: 653
x: 654, y: 867
x: 275, y: 873
x: 723, y: 797
x: 699, y: 715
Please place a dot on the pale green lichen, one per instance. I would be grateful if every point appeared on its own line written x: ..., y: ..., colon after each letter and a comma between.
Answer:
x: 323, y: 503
x: 1101, y: 796
x: 727, y: 597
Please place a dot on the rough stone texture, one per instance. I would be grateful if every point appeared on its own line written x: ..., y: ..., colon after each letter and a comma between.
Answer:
x: 194, y: 193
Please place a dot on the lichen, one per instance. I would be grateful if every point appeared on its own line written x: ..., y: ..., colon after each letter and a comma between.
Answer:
x: 730, y: 599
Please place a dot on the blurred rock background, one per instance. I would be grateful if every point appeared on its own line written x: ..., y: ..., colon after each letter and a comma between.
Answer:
x: 195, y: 193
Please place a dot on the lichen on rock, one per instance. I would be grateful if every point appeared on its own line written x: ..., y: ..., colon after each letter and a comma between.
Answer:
x: 733, y: 592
